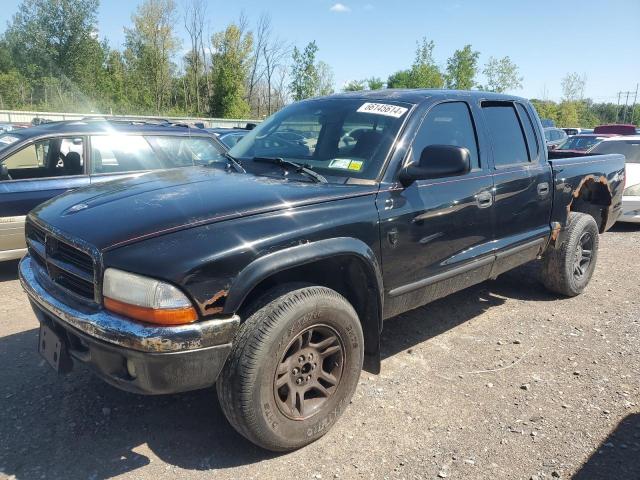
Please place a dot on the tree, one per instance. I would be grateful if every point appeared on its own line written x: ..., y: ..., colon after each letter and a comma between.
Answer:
x: 424, y: 73
x: 355, y: 86
x: 462, y: 68
x: 400, y: 79
x: 55, y: 38
x: 274, y: 53
x: 231, y: 61
x: 150, y: 46
x: 502, y: 75
x: 573, y: 86
x: 375, y: 83
x: 194, y: 18
x: 304, y: 74
x: 324, y: 85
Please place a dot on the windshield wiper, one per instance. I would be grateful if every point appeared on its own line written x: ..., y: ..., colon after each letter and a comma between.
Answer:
x: 290, y: 165
x: 237, y: 166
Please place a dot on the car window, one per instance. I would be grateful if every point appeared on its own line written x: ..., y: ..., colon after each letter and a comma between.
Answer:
x: 629, y: 148
x: 231, y: 139
x: 186, y: 151
x: 532, y: 142
x: 122, y: 153
x: 506, y: 135
x: 47, y: 158
x: 447, y: 124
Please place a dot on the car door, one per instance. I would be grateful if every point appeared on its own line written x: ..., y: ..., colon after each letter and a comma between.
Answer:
x: 39, y: 170
x: 436, y: 234
x: 522, y: 183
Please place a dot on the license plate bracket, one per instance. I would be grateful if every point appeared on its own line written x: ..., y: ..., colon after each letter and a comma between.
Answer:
x: 50, y: 346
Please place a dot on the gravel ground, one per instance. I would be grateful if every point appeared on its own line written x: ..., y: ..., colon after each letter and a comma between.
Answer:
x: 502, y: 380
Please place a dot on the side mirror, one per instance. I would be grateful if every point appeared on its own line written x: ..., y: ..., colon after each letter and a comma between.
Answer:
x: 437, y: 161
x: 4, y: 172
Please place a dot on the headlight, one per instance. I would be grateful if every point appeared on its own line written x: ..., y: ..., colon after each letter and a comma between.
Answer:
x: 632, y: 191
x: 146, y: 299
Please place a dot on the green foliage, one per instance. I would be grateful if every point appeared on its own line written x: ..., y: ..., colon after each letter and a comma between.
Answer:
x: 375, y: 83
x: 424, y: 73
x: 581, y: 113
x: 462, y: 68
x: 304, y: 74
x: 502, y: 75
x: 150, y: 47
x: 355, y: 86
x: 231, y: 59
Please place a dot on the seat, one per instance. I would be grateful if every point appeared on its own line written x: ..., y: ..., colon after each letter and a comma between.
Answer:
x: 367, y: 144
x: 72, y: 164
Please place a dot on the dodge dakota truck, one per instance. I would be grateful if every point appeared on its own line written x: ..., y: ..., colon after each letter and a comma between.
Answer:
x: 272, y: 281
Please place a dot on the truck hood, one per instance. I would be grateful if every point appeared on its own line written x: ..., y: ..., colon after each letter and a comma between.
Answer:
x: 124, y: 211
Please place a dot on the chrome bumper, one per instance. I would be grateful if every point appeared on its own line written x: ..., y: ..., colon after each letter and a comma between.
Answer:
x: 122, y: 332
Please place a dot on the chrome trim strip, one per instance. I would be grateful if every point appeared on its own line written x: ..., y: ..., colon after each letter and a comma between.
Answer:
x: 425, y: 282
x: 12, y: 254
x: 120, y: 331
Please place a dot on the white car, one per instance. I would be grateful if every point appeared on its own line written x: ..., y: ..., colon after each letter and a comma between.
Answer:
x: 629, y: 146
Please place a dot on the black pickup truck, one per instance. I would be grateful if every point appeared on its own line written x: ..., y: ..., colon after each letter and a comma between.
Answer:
x: 272, y: 280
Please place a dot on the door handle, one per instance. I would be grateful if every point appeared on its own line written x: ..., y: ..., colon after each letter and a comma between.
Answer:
x: 543, y: 189
x: 484, y: 199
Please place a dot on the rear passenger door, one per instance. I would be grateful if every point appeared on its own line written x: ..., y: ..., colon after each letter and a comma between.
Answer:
x: 522, y: 183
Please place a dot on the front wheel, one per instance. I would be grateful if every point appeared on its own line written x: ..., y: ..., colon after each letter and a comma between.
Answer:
x: 293, y: 368
x: 568, y: 269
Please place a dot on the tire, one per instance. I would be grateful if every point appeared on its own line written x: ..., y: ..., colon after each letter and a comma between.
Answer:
x: 562, y: 272
x: 298, y: 338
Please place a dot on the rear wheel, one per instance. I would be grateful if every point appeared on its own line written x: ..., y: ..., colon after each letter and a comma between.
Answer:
x: 293, y: 368
x: 568, y: 269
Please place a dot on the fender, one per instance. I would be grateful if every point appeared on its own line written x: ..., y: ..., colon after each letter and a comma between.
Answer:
x: 282, y: 260
x: 267, y: 265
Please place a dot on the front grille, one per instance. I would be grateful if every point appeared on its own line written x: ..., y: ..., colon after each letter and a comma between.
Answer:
x: 66, y: 265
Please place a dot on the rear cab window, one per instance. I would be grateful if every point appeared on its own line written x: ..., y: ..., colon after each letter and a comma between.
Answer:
x: 506, y: 133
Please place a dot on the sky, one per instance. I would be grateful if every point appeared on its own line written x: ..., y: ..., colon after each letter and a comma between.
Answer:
x: 364, y: 38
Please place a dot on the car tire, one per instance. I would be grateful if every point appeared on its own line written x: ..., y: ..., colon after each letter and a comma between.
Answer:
x: 568, y: 269
x: 293, y: 367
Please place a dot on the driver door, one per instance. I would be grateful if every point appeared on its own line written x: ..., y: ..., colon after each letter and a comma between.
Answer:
x: 38, y: 174
x: 436, y: 234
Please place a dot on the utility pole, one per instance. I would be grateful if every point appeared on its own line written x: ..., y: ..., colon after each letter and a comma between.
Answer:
x: 626, y: 94
x: 633, y: 109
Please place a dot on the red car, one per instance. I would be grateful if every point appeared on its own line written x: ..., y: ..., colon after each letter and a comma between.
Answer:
x: 617, y: 129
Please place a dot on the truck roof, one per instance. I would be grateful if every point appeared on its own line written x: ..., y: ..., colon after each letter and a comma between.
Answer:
x: 419, y: 95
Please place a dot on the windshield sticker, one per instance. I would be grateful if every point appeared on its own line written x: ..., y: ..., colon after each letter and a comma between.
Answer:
x: 383, y: 109
x: 346, y: 164
x: 8, y: 139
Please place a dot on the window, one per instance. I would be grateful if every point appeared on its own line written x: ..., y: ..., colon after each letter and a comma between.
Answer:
x: 532, y: 142
x: 122, y: 153
x: 506, y: 135
x: 447, y: 124
x: 629, y: 148
x: 341, y: 137
x: 47, y: 158
x: 187, y: 151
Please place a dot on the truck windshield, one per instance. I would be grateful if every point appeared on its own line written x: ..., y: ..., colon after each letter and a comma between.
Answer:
x: 344, y: 137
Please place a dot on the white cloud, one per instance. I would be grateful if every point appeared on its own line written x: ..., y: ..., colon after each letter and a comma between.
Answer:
x: 340, y: 8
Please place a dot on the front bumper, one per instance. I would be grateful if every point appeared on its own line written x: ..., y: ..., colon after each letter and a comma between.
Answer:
x: 630, y: 210
x: 163, y: 359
